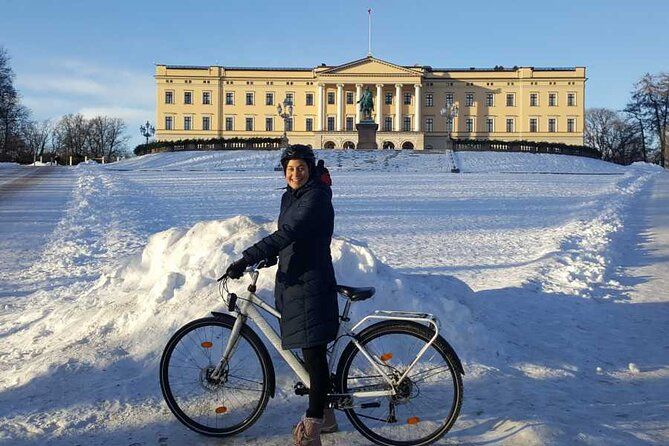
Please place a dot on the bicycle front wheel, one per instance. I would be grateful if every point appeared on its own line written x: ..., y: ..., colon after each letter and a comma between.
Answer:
x: 215, y: 406
x: 427, y: 402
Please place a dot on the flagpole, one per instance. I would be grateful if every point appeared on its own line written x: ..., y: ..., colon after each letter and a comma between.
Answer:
x: 369, y: 28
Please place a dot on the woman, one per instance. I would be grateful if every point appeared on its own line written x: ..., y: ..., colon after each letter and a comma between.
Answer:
x: 305, y: 288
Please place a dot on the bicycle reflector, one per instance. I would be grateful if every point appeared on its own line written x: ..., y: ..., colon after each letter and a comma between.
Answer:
x: 221, y: 409
x: 207, y: 344
x: 413, y: 420
x: 386, y: 357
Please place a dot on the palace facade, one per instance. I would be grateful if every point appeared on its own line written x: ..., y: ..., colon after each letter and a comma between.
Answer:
x: 519, y: 103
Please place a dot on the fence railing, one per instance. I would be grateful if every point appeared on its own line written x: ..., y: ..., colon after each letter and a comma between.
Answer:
x: 217, y: 144
x: 460, y: 145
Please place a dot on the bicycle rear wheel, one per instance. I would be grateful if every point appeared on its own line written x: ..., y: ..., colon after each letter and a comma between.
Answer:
x: 427, y: 402
x: 215, y: 407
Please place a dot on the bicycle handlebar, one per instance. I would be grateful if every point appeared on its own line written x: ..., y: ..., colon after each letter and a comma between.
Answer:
x: 249, y: 269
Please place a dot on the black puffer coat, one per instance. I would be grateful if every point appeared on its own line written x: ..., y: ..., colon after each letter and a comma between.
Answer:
x: 305, y: 290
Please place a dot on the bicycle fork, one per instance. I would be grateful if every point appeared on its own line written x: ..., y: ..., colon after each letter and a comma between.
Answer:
x: 230, y: 346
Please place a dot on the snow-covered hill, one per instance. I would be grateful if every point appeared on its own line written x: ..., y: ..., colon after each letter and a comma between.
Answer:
x: 525, y: 270
x: 379, y: 160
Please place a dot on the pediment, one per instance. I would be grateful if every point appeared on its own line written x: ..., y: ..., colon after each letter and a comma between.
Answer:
x: 370, y: 66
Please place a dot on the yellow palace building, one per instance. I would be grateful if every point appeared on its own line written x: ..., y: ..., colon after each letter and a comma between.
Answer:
x: 519, y: 103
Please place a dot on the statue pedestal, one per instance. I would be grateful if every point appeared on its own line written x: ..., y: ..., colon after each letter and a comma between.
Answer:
x: 367, y: 135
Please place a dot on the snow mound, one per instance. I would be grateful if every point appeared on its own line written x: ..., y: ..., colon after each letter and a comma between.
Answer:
x: 173, y: 280
x: 122, y: 323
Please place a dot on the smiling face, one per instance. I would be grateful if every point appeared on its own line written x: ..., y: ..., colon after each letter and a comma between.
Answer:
x: 297, y: 173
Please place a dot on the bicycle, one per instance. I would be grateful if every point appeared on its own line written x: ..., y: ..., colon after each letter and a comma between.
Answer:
x: 217, y: 376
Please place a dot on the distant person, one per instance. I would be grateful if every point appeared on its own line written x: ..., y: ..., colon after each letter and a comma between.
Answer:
x: 305, y: 288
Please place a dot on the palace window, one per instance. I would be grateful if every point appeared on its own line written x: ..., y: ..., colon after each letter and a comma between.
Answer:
x: 331, y: 123
x: 571, y: 125
x: 249, y: 124
x: 310, y: 99
x: 469, y: 125
x: 188, y: 97
x: 388, y: 124
x: 331, y: 97
x: 407, y: 98
x: 229, y: 123
x: 552, y: 99
x: 449, y: 99
x: 534, y: 99
x: 206, y: 97
x: 249, y: 98
x: 349, y: 123
x: 168, y: 123
x: 552, y: 125
x: 407, y: 124
x: 571, y: 99
x: 490, y: 125
x: 429, y: 125
x: 449, y: 124
x: 269, y: 98
x: 509, y: 125
x: 389, y: 98
x: 206, y: 123
x: 349, y: 97
x: 229, y: 98
x: 169, y: 97
x: 534, y: 125
x: 269, y: 124
x: 469, y: 100
x: 510, y: 100
x: 490, y: 100
x: 429, y: 100
x: 187, y: 122
x: 290, y: 98
x: 309, y: 124
x: 289, y: 124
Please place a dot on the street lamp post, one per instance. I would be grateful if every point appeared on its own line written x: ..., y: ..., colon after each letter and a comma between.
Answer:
x: 286, y: 113
x: 449, y: 112
x: 147, y: 130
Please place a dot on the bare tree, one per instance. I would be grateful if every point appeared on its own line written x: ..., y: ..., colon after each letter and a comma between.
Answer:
x: 107, y: 136
x: 37, y: 136
x: 12, y: 113
x: 71, y: 136
x: 651, y: 100
x: 619, y: 140
x: 636, y: 116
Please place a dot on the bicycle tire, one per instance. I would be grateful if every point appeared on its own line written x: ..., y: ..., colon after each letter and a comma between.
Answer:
x: 211, y: 391
x: 402, y: 331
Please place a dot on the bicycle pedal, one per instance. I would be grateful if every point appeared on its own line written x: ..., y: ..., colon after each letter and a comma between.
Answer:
x: 300, y: 389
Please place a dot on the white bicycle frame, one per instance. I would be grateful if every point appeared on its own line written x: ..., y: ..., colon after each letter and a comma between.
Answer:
x: 245, y: 308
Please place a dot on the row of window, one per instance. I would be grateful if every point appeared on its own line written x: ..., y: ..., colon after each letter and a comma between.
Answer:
x: 490, y: 125
x: 387, y: 124
x: 429, y: 98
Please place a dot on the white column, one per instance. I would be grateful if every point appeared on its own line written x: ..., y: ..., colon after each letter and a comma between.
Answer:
x: 340, y: 105
x: 358, y: 93
x: 379, y: 101
x: 416, y: 112
x: 398, y: 107
x: 319, y: 120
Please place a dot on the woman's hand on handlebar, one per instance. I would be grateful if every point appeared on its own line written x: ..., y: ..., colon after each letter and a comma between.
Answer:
x: 236, y: 269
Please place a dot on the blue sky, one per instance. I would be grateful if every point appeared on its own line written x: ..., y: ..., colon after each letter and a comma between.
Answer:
x: 98, y: 57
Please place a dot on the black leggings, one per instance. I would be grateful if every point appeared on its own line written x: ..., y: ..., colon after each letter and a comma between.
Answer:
x: 316, y: 363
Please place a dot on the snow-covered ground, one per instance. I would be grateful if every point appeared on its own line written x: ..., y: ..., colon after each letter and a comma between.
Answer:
x: 549, y: 274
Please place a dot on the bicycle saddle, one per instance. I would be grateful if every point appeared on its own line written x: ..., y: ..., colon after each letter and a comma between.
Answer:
x: 355, y: 294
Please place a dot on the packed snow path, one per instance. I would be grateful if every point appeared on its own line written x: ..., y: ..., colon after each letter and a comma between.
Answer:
x: 550, y: 287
